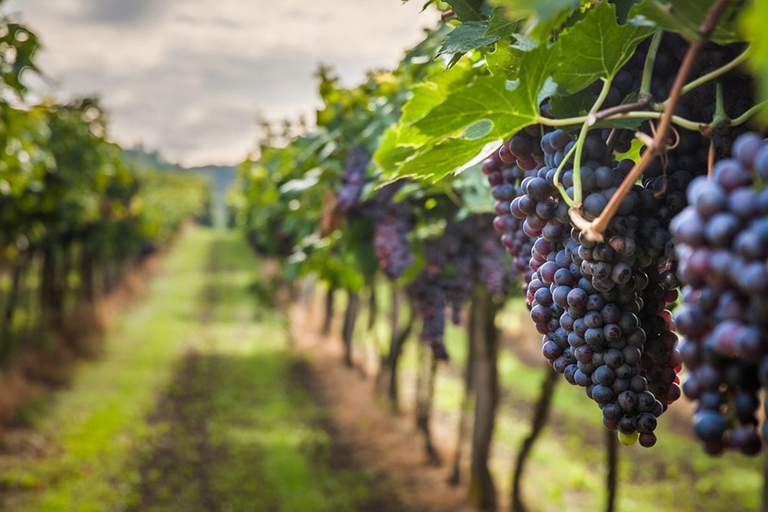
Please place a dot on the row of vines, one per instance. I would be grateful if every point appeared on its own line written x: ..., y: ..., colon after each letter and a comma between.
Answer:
x: 604, y: 161
x: 75, y: 217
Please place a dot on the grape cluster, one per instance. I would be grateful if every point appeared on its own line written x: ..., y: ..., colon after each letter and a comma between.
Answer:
x: 353, y: 179
x: 394, y: 220
x: 722, y: 245
x: 467, y: 254
x: 601, y: 306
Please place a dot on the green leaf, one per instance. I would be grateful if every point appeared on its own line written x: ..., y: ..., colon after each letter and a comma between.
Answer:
x: 622, y: 9
x: 595, y: 47
x: 443, y: 159
x: 479, y: 130
x: 752, y: 25
x: 508, y: 105
x: 502, y: 27
x: 543, y: 15
x: 391, y: 151
x: 431, y: 93
x: 573, y: 105
x: 487, y: 98
x: 468, y: 36
x: 467, y: 10
x: 488, y: 111
x: 426, y: 96
x: 685, y: 17
x: 503, y: 60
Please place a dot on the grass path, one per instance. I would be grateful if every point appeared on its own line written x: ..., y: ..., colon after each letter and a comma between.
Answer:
x: 196, y: 406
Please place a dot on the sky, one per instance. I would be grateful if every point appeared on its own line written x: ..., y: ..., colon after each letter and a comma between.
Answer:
x: 190, y: 78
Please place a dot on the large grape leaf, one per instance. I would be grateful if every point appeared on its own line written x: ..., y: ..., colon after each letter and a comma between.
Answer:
x: 474, y: 119
x: 427, y: 95
x: 685, y: 17
x: 595, y: 47
x: 486, y: 99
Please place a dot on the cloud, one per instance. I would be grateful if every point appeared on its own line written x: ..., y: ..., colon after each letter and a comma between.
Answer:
x: 123, y: 11
x: 189, y: 78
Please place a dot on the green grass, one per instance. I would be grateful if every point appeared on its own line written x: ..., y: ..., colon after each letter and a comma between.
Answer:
x: 278, y: 451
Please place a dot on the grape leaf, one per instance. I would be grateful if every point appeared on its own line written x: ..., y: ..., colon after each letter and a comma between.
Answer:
x: 508, y: 105
x: 467, y: 10
x: 685, y: 16
x: 491, y: 108
x: 501, y: 27
x: 395, y: 147
x: 433, y: 91
x: 503, y: 60
x: 596, y: 47
x: 444, y: 159
x: 573, y: 105
x: 426, y: 96
x: 468, y: 36
x: 488, y: 110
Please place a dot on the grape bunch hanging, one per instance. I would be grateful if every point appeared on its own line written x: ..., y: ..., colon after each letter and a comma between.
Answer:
x: 603, y: 304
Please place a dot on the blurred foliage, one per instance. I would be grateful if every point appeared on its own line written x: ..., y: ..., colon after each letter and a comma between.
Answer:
x: 287, y: 199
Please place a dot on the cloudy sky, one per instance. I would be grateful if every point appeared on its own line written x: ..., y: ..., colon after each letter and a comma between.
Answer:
x: 190, y: 77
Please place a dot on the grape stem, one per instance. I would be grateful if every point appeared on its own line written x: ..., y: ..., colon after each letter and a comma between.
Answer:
x: 594, y: 230
x: 635, y: 114
x: 556, y: 178
x: 742, y: 57
x: 643, y: 102
x: 577, y: 193
x: 680, y: 121
x: 650, y: 60
x: 743, y: 118
x: 645, y: 98
x: 720, y: 116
